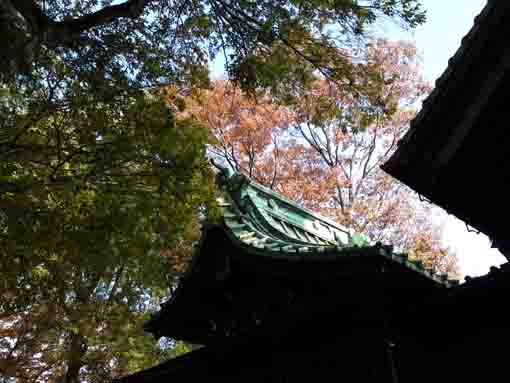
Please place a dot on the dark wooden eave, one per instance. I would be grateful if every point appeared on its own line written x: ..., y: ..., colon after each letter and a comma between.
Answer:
x: 457, y: 150
x: 460, y: 333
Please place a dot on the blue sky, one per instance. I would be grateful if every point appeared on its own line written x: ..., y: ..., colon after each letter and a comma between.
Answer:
x: 448, y: 21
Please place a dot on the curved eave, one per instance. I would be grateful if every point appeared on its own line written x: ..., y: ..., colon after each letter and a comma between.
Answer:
x: 186, y: 315
x: 462, y: 126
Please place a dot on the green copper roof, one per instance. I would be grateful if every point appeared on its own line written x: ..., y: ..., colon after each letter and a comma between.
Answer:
x: 268, y: 224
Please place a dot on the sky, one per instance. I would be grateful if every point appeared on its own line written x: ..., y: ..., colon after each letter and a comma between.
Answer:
x: 448, y: 21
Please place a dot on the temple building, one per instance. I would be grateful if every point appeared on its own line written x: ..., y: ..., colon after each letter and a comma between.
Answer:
x: 277, y: 293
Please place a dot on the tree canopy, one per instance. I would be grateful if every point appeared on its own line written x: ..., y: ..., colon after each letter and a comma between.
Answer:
x: 144, y: 43
x: 91, y: 202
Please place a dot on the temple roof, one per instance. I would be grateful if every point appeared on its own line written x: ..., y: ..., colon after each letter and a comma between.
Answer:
x: 263, y: 219
x: 456, y: 150
x: 443, y: 82
x: 268, y: 250
x: 267, y: 224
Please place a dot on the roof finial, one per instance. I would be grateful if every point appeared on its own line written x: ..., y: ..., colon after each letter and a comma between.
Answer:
x: 227, y: 171
x: 223, y: 175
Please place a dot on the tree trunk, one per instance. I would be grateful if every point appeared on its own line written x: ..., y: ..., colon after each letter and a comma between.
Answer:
x: 20, y: 40
x: 75, y: 361
x: 25, y: 28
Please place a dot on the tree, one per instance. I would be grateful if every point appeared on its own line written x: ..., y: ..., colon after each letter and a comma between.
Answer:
x: 171, y: 40
x: 325, y: 151
x: 91, y: 200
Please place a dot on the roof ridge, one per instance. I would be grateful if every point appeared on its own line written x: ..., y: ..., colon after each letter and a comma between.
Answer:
x: 233, y: 182
x: 293, y: 204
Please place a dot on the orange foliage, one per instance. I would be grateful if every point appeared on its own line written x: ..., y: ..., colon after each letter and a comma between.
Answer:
x: 325, y: 151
